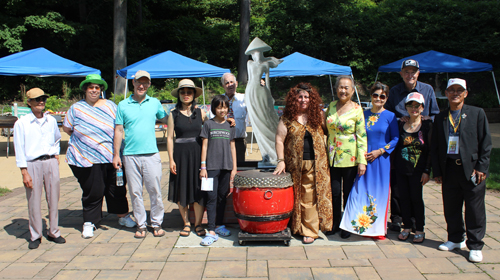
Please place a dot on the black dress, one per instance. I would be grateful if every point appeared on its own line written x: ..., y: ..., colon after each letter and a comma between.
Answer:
x: 185, y: 187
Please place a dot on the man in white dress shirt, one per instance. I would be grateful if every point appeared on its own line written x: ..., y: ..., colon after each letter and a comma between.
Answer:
x: 37, y: 144
x: 237, y: 111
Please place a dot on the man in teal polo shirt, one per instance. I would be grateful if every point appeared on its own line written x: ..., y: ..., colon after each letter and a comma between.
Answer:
x: 136, y: 116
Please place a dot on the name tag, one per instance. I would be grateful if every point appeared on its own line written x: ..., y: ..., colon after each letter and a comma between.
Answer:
x: 453, y: 145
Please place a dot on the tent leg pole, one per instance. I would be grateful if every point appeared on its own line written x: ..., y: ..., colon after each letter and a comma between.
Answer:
x: 126, y: 89
x: 376, y: 77
x: 203, y: 89
x: 356, y: 89
x: 331, y: 86
x: 496, y: 88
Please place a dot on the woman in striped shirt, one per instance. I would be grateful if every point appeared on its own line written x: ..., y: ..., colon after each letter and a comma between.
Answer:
x: 91, y: 124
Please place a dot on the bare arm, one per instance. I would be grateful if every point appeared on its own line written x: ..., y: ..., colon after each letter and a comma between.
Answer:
x: 204, y: 116
x: 203, y: 172
x: 68, y: 130
x: 281, y: 132
x: 117, y: 141
x: 170, y: 144
x: 235, y: 165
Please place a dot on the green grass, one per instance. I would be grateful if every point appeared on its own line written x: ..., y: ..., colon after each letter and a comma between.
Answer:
x: 493, y: 180
x: 4, y: 191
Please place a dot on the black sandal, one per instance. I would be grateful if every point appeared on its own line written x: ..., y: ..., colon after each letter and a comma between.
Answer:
x: 200, y: 231
x: 141, y: 231
x: 184, y: 232
x: 158, y: 232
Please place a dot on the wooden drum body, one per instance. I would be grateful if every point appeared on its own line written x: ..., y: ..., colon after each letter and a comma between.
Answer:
x: 263, y: 202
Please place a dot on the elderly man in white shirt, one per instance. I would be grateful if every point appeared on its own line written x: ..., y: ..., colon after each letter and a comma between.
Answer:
x: 37, y: 144
x: 237, y: 111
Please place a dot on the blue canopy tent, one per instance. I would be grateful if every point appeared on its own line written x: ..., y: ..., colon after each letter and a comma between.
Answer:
x: 437, y: 62
x: 298, y: 64
x: 172, y: 65
x: 41, y: 62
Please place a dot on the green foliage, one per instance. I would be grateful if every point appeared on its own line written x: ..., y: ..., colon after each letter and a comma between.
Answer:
x: 117, y: 97
x: 493, y: 180
x: 4, y: 191
x: 53, y: 103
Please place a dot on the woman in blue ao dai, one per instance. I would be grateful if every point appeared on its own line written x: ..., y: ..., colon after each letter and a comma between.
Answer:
x: 366, y: 209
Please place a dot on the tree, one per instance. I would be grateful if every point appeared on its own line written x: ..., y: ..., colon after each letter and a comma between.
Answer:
x: 119, y: 43
x: 244, y: 40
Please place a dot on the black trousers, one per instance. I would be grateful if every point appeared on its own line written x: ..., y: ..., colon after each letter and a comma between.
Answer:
x: 457, y: 190
x: 411, y: 198
x: 241, y: 149
x: 99, y: 181
x: 342, y: 180
x: 216, y: 199
x: 395, y: 205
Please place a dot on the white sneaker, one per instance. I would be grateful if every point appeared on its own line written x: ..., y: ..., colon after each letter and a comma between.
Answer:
x: 475, y: 256
x: 127, y: 221
x: 88, y: 230
x: 450, y: 246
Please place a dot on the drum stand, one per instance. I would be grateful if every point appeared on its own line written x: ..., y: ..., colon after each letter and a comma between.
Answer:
x: 285, y: 236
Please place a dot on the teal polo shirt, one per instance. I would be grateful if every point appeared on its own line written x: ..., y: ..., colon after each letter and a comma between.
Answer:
x: 138, y: 120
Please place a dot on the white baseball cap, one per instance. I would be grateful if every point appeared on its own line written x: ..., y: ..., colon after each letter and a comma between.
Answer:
x: 457, y: 81
x: 415, y: 96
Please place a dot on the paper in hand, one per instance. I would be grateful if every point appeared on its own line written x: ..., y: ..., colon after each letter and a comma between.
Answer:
x: 207, y: 184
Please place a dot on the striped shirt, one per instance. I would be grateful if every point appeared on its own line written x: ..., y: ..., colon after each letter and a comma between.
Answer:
x: 93, y: 130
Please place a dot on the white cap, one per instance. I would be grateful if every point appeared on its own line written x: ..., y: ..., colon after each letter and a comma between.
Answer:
x: 456, y: 81
x: 415, y: 96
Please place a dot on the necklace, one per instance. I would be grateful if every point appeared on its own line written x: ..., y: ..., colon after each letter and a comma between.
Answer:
x: 414, y: 124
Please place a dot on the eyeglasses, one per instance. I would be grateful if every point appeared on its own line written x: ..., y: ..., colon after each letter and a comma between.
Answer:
x: 40, y: 98
x: 413, y: 106
x: 94, y: 87
x: 381, y: 96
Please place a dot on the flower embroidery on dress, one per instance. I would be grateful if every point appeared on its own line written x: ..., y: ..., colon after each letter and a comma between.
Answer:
x: 365, y: 219
x: 372, y: 120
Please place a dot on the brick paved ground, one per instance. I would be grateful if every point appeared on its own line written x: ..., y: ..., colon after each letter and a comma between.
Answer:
x: 114, y: 254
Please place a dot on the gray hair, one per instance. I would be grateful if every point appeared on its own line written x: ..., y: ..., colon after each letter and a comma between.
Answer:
x: 350, y: 78
x: 223, y: 78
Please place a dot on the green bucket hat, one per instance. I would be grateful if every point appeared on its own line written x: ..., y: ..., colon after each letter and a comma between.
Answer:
x: 94, y: 79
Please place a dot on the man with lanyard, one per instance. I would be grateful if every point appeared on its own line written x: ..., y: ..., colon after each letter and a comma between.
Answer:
x: 461, y: 147
x: 410, y: 70
x: 237, y: 111
x: 136, y: 116
x: 37, y: 143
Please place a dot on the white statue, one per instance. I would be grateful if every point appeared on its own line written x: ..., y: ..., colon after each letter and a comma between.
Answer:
x: 260, y: 103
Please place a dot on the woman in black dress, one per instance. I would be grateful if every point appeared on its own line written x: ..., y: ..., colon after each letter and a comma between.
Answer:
x: 184, y: 154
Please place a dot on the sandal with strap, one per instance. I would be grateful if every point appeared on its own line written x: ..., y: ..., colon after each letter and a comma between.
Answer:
x: 200, y: 231
x: 419, y: 238
x: 307, y: 240
x: 158, y: 232
x: 184, y: 232
x: 139, y: 233
x: 222, y: 231
x: 209, y: 239
x: 404, y: 235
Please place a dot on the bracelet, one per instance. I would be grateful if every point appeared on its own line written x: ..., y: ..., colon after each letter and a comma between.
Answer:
x: 381, y: 150
x: 280, y: 160
x: 203, y: 168
x: 203, y: 162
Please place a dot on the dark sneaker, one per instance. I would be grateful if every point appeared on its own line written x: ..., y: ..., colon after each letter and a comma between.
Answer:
x: 58, y: 240
x: 395, y: 227
x: 345, y: 234
x: 33, y: 244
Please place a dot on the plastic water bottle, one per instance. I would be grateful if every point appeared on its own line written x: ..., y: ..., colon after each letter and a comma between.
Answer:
x: 119, y: 177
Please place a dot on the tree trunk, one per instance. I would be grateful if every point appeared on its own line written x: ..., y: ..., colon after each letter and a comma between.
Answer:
x: 244, y: 40
x: 119, y: 43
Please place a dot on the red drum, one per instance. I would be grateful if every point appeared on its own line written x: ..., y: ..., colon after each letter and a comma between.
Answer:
x: 263, y: 202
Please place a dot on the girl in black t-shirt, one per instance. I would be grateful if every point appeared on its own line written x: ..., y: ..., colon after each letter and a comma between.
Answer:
x: 413, y: 166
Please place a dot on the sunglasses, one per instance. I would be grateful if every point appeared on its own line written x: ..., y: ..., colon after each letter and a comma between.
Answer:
x: 38, y: 99
x: 94, y: 87
x: 413, y: 106
x: 381, y: 96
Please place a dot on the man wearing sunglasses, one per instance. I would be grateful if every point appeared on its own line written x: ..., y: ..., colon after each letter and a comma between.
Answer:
x: 410, y: 70
x: 37, y: 144
x: 461, y: 149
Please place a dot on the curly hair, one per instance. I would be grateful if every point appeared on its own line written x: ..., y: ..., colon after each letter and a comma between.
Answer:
x: 291, y: 111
